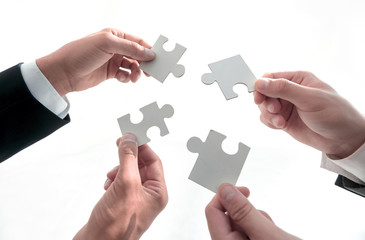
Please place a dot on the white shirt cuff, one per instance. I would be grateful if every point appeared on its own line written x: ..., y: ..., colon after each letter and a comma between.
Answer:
x: 43, y: 91
x: 352, y: 167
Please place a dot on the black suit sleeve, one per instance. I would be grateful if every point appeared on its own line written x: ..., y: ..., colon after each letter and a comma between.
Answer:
x: 349, y: 185
x: 23, y: 120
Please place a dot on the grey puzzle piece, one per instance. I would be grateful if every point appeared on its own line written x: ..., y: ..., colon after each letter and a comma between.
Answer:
x: 229, y: 72
x: 213, y: 166
x: 152, y: 116
x: 164, y: 62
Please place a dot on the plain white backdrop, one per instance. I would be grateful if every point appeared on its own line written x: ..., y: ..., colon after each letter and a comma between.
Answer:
x: 48, y: 190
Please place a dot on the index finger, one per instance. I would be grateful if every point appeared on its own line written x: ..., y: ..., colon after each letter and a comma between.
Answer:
x: 218, y: 221
x: 114, y: 41
x: 150, y: 165
x: 287, y: 75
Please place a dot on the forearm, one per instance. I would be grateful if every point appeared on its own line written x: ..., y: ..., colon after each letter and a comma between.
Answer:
x: 23, y: 119
x: 110, y: 232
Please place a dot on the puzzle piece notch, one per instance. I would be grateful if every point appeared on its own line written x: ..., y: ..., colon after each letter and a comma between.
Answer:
x: 165, y: 61
x: 152, y: 116
x: 229, y: 72
x: 213, y: 166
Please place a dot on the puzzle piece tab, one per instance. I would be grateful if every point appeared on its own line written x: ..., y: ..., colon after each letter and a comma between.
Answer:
x: 213, y: 166
x: 164, y: 62
x: 152, y: 116
x: 229, y: 72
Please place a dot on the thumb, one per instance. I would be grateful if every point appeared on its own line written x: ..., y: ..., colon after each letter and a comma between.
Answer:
x: 133, y: 50
x: 128, y: 173
x: 245, y: 215
x: 285, y: 89
x: 127, y: 45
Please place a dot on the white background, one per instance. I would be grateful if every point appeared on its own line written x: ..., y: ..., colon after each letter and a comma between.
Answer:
x: 48, y: 190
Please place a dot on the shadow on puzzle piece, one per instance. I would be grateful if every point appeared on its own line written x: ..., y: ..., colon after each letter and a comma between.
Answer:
x: 152, y: 116
x: 213, y: 166
x: 229, y: 72
x: 164, y: 62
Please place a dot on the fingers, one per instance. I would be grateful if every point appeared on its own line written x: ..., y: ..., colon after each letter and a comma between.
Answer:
x: 279, y: 98
x: 244, y: 190
x: 110, y: 177
x: 127, y: 36
x: 283, y: 89
x: 219, y: 223
x: 245, y: 215
x: 152, y: 175
x: 125, y: 76
x: 146, y: 171
x: 275, y: 121
x: 286, y: 75
x: 272, y: 105
x: 117, y: 42
x: 259, y: 98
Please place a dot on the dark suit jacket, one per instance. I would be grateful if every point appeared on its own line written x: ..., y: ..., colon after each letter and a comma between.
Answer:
x: 350, y: 185
x: 23, y: 120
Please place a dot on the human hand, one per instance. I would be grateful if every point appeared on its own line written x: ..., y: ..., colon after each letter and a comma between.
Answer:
x: 231, y: 216
x: 310, y: 111
x: 86, y: 62
x: 136, y: 194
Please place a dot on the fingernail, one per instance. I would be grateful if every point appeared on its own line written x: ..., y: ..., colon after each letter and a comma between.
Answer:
x: 128, y: 138
x: 262, y: 83
x: 227, y: 192
x: 149, y: 53
x: 276, y: 122
x: 271, y: 108
x: 122, y: 78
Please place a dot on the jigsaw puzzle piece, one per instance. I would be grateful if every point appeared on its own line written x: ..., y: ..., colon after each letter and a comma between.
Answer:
x: 165, y: 61
x: 157, y: 115
x: 213, y: 166
x: 152, y: 116
x: 229, y: 72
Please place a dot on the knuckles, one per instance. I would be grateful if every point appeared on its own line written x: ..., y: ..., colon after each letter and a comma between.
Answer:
x: 281, y: 85
x: 241, y: 210
x: 135, y: 49
x: 208, y: 211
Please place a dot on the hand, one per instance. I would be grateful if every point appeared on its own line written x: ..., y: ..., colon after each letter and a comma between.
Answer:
x: 86, y: 62
x: 136, y: 194
x: 231, y: 216
x: 310, y: 111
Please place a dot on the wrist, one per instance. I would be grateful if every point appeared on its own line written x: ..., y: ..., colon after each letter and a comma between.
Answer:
x: 347, y: 150
x: 114, y: 228
x: 88, y: 232
x: 52, y: 70
x: 352, y: 144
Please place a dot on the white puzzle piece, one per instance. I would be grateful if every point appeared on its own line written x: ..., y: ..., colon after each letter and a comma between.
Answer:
x: 213, y: 166
x: 152, y: 116
x: 229, y: 72
x: 165, y: 61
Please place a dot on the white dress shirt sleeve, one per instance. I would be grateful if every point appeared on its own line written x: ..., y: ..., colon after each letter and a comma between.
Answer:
x: 352, y: 167
x: 43, y: 91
